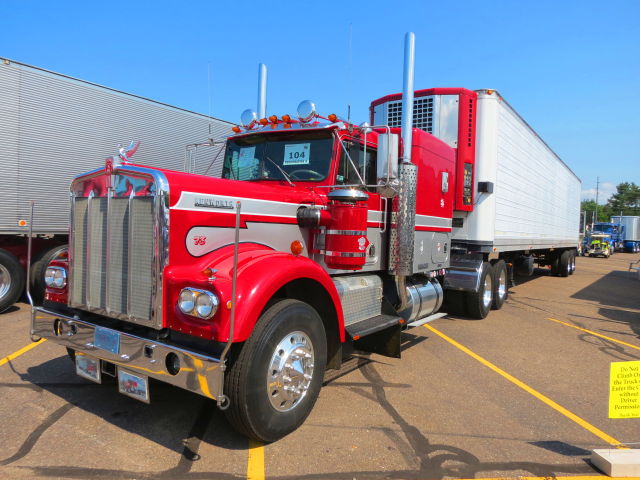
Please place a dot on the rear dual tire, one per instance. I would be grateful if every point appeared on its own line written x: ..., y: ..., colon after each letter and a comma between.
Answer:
x: 479, y: 303
x: 500, y: 284
x: 12, y: 279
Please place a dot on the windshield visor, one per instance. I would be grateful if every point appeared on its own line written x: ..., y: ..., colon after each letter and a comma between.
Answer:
x: 276, y: 156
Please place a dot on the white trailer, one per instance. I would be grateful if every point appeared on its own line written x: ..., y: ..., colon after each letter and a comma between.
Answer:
x: 516, y: 204
x: 53, y: 126
x: 526, y: 197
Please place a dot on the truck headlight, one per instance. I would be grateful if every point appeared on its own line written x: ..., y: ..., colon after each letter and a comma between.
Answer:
x: 198, y: 303
x: 55, y: 277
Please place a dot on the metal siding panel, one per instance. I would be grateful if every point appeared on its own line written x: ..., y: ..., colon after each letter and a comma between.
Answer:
x: 67, y: 127
x: 9, y: 119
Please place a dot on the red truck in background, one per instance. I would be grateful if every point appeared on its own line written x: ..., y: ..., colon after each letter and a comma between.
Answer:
x: 321, y: 237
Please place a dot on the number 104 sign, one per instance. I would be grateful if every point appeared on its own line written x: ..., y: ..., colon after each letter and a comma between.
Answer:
x: 297, y: 154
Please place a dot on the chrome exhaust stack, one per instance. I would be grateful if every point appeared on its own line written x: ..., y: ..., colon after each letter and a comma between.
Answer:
x: 404, y: 205
x: 262, y: 91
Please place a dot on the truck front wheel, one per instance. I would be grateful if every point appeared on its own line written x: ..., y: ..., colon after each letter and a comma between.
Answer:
x: 275, y: 378
x: 12, y: 278
x: 479, y: 303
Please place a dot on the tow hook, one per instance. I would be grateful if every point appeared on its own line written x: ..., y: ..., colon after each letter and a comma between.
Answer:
x: 223, y: 402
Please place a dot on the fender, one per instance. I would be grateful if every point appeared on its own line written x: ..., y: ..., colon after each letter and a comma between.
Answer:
x: 262, y: 271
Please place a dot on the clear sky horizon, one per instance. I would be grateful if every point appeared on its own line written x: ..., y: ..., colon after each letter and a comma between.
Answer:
x: 571, y: 68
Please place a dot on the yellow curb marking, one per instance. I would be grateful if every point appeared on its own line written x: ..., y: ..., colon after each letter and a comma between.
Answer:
x: 8, y: 358
x: 559, y: 408
x: 255, y: 462
x: 594, y: 333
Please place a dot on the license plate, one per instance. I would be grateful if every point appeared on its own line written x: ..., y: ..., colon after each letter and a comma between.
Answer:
x: 135, y: 386
x: 88, y: 367
x: 106, y: 339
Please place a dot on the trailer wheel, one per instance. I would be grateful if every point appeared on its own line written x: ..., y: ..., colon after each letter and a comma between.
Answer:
x: 573, y: 263
x: 555, y: 264
x: 38, y: 268
x: 500, y: 284
x: 479, y: 303
x: 12, y: 277
x: 275, y: 378
x: 564, y: 266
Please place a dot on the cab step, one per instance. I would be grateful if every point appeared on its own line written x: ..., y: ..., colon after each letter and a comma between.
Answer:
x: 372, y: 325
x: 379, y: 334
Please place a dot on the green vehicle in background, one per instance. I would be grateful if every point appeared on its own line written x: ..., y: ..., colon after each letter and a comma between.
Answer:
x: 599, y: 244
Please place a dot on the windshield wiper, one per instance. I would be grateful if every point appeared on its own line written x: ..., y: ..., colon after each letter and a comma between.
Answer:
x: 285, y: 174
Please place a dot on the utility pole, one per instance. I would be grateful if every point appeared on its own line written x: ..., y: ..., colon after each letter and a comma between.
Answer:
x: 597, y: 191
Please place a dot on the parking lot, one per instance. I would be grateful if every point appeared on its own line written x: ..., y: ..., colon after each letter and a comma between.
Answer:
x: 522, y: 393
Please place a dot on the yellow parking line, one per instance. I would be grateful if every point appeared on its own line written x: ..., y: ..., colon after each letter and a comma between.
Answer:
x: 255, y: 462
x: 573, y: 477
x: 594, y: 333
x: 559, y: 408
x: 8, y: 358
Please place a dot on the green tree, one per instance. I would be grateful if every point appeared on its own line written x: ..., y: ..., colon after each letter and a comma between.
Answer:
x: 589, y: 206
x: 625, y: 200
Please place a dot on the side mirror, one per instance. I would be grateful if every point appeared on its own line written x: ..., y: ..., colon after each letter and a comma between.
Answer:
x: 387, y: 164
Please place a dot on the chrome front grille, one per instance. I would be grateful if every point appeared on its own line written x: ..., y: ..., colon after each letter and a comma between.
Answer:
x: 118, y: 248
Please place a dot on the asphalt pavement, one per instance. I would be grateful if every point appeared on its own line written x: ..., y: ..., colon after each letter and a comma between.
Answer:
x: 523, y: 392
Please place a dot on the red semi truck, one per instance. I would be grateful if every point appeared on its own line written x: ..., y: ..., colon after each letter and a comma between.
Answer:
x: 320, y: 237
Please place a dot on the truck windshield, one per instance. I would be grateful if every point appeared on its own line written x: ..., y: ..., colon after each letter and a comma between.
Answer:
x: 600, y: 228
x: 300, y: 156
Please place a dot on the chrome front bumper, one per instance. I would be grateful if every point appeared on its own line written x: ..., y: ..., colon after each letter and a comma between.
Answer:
x: 198, y: 373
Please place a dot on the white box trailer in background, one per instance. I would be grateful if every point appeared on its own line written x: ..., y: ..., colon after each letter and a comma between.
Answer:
x: 630, y: 231
x: 53, y: 126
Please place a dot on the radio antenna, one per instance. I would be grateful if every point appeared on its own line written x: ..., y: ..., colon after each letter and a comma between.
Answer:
x: 349, y: 73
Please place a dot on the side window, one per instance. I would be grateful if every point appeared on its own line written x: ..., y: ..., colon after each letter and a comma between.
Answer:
x: 366, y: 165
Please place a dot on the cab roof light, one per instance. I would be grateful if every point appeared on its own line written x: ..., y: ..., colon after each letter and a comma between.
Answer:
x: 333, y: 118
x: 264, y: 122
x: 273, y: 119
x: 236, y: 129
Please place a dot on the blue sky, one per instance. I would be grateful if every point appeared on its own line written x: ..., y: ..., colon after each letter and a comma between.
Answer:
x: 571, y: 68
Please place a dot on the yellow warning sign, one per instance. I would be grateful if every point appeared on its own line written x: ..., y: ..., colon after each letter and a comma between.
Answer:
x: 624, y: 390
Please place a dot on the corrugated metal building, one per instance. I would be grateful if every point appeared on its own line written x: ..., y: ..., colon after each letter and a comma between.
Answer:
x: 53, y: 127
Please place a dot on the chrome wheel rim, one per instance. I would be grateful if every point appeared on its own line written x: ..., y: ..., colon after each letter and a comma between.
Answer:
x: 5, y: 281
x: 290, y: 371
x: 486, y: 296
x: 502, y: 284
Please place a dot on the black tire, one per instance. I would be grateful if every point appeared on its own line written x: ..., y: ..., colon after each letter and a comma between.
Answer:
x: 555, y: 264
x: 564, y: 266
x: 71, y: 353
x: 500, y: 284
x: 573, y: 263
x: 12, y: 278
x: 38, y: 267
x: 249, y: 384
x: 479, y: 303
